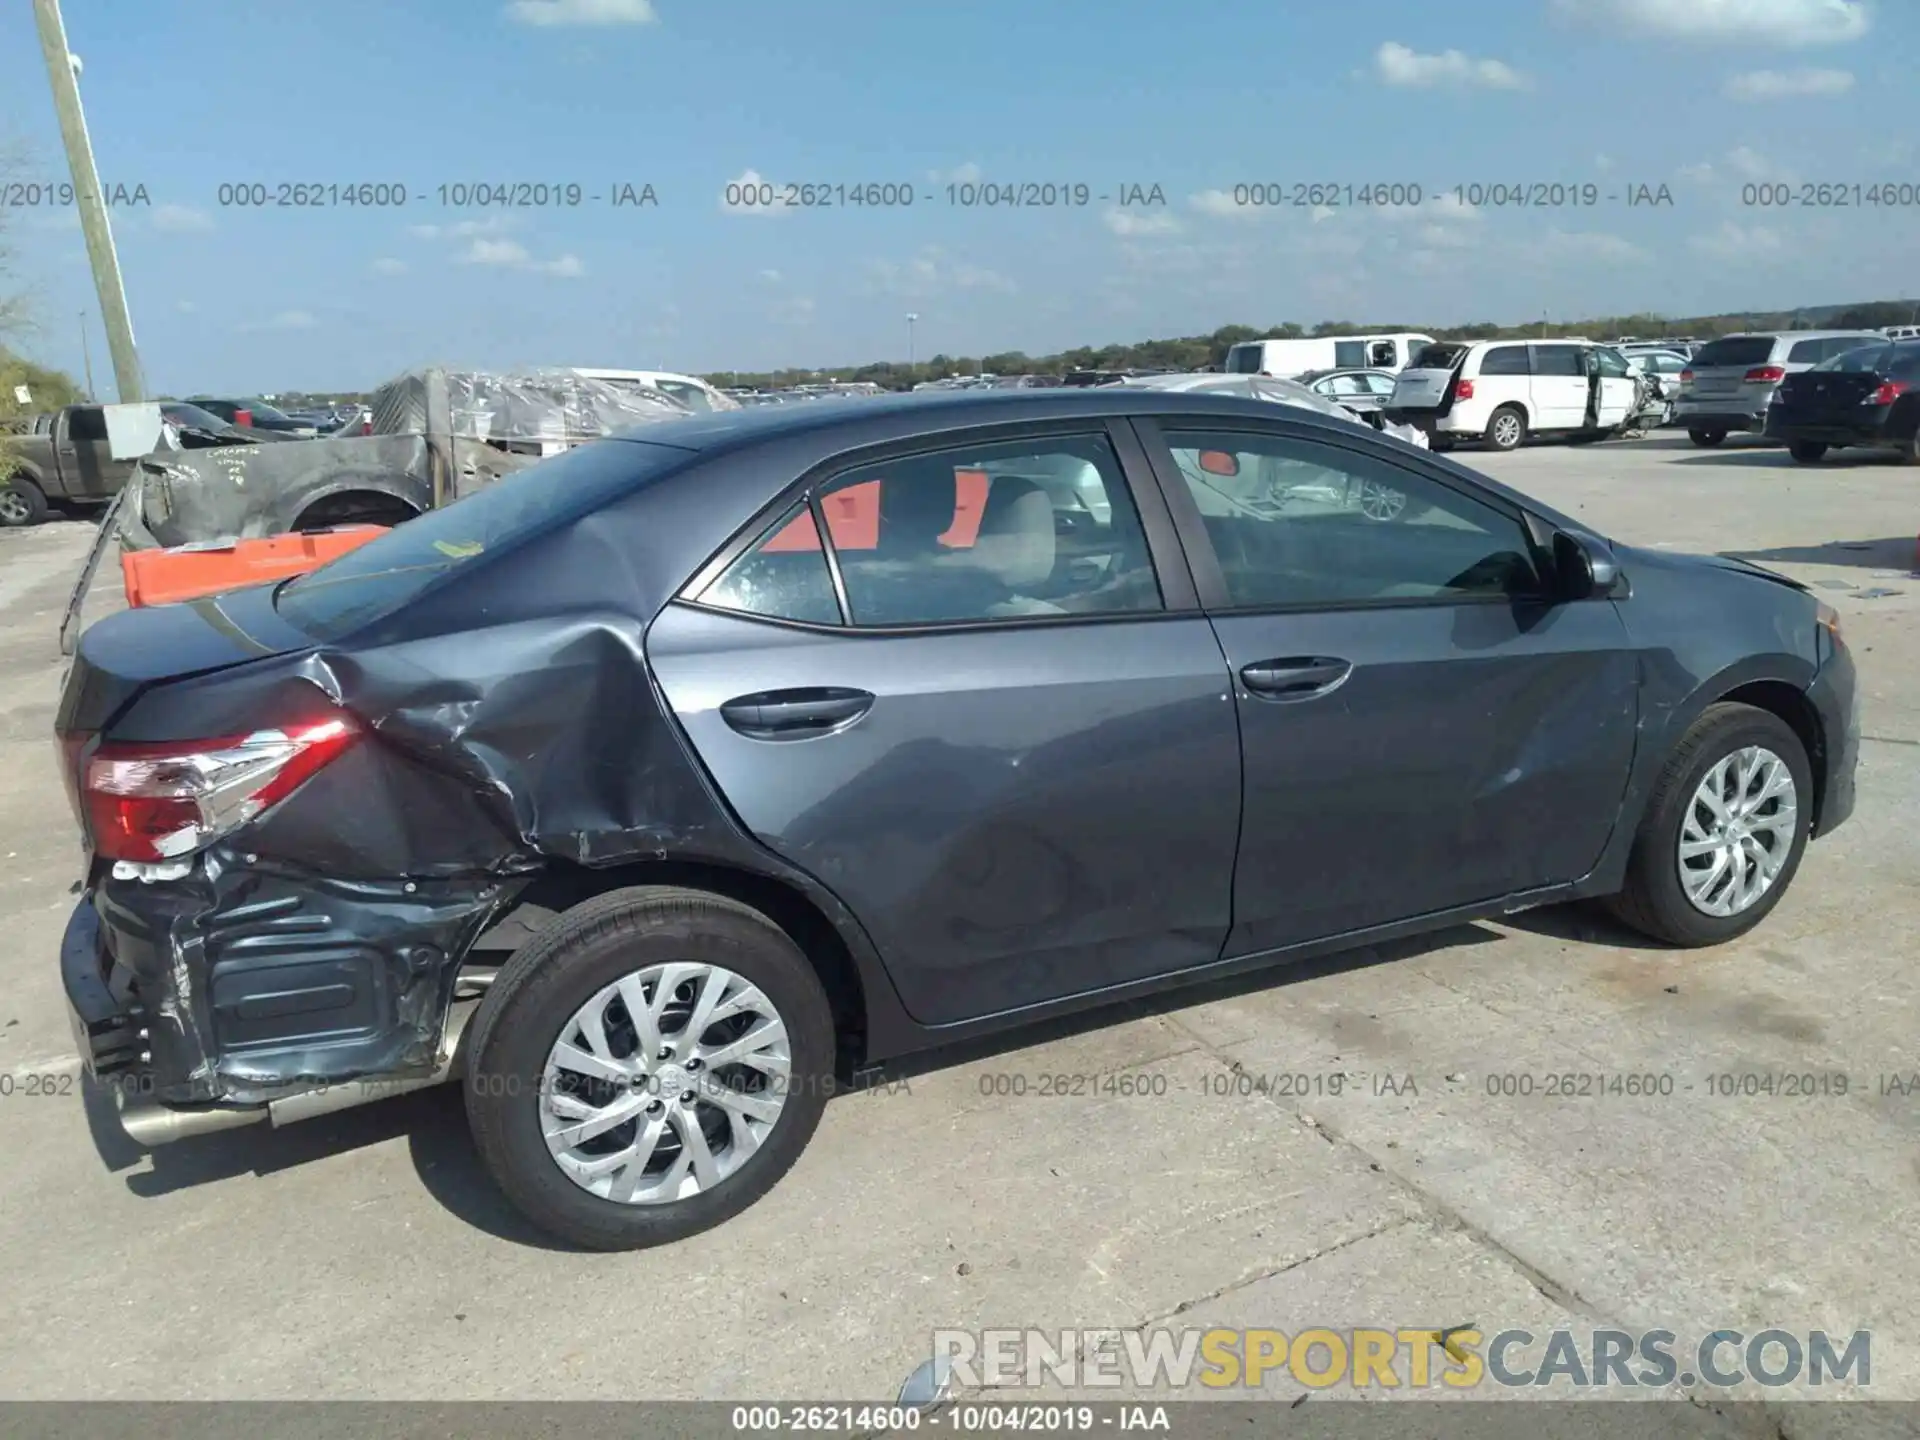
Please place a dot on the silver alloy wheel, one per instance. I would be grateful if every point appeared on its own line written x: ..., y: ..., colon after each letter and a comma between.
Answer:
x: 1377, y: 501
x: 664, y: 1083
x: 1738, y: 831
x: 14, y: 509
x: 1506, y: 430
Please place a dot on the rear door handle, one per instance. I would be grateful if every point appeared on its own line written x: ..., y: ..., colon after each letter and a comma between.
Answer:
x: 1299, y: 677
x: 795, y: 714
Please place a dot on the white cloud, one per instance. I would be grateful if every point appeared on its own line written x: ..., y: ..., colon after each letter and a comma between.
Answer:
x: 1218, y: 202
x: 460, y: 229
x: 1396, y: 64
x: 1603, y: 163
x: 1787, y: 84
x: 744, y: 187
x: 285, y: 320
x: 1696, y: 174
x: 967, y: 174
x: 185, y: 307
x: 387, y: 265
x: 424, y: 232
x: 1592, y: 245
x: 1124, y: 221
x: 1449, y: 206
x: 582, y: 12
x: 495, y: 252
x: 1444, y: 237
x: 567, y: 267
x: 180, y: 219
x: 931, y: 272
x: 1322, y: 212
x: 1786, y: 24
x: 1752, y: 165
x: 1741, y: 243
x: 772, y: 277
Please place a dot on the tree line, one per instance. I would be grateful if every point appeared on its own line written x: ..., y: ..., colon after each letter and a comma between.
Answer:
x: 1205, y: 352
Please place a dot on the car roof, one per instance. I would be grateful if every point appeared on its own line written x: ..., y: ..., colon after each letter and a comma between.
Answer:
x: 1799, y: 335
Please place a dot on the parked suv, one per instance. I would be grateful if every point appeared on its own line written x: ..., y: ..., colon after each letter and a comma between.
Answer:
x: 1731, y: 381
x: 1501, y: 391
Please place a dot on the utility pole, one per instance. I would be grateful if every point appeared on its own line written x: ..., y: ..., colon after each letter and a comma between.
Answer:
x: 911, y: 319
x: 63, y: 71
x: 86, y: 353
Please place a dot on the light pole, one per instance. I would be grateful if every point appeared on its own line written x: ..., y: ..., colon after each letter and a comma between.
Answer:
x: 911, y: 319
x: 63, y: 71
x: 86, y: 353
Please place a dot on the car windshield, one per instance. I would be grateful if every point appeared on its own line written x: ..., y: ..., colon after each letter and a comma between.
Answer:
x: 378, y: 578
x: 1735, y: 350
x: 1870, y: 359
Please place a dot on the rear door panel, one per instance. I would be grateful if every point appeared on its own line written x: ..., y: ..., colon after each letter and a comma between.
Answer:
x: 1025, y: 813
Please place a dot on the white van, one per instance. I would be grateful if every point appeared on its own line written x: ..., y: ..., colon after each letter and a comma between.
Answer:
x: 1502, y: 391
x: 1290, y: 358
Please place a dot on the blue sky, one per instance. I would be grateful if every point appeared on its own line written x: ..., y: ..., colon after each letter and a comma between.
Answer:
x: 1703, y: 96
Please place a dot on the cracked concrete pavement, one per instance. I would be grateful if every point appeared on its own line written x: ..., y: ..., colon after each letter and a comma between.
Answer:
x: 366, y: 1256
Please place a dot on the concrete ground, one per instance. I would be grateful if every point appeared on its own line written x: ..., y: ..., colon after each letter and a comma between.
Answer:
x: 366, y: 1255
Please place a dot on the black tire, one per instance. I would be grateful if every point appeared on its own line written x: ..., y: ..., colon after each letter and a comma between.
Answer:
x: 1653, y: 901
x: 1706, y: 438
x: 1807, y: 452
x: 589, y: 947
x: 22, y: 503
x: 1515, y: 434
x: 1909, y: 451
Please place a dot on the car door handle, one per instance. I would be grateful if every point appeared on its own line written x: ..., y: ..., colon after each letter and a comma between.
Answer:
x: 1300, y: 677
x: 795, y: 714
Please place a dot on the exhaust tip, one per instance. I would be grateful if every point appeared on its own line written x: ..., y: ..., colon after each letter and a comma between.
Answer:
x: 149, y: 1123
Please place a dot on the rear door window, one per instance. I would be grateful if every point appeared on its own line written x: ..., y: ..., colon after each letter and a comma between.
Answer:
x: 1506, y: 360
x: 86, y: 422
x: 1556, y: 360
x: 1809, y: 352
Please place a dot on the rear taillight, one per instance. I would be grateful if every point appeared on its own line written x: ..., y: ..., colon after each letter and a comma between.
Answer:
x: 366, y: 427
x: 1888, y: 392
x: 161, y: 801
x: 1766, y: 374
x: 1686, y: 377
x: 1463, y: 390
x: 243, y: 417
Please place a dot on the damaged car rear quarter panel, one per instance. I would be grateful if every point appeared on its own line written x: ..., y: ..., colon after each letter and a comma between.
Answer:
x: 511, y: 725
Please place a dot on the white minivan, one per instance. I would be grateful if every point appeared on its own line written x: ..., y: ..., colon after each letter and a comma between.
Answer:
x: 1290, y: 358
x: 1502, y: 391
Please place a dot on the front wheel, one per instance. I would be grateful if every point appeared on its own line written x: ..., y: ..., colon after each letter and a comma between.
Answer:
x: 1724, y: 830
x: 1807, y: 452
x: 1706, y: 438
x: 648, y: 1067
x: 1507, y: 428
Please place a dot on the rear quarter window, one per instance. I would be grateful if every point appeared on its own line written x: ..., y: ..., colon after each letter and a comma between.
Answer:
x: 1505, y: 360
x: 382, y: 576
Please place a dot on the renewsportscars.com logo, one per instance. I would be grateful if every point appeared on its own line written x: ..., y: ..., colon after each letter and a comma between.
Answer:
x: 1366, y: 1358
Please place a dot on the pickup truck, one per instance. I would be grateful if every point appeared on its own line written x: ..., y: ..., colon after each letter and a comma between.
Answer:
x: 59, y: 457
x: 64, y: 457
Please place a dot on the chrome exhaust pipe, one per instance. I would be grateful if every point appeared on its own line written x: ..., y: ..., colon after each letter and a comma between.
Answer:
x: 148, y: 1123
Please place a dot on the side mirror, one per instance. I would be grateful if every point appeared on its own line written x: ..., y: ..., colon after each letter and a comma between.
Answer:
x: 1586, y: 567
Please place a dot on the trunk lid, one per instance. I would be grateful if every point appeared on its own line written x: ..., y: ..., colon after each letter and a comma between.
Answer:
x: 122, y: 655
x: 1828, y: 394
x: 1420, y: 389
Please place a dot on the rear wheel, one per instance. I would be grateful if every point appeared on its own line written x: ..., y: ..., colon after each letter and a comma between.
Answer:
x: 1724, y: 830
x: 1909, y: 451
x: 648, y: 1067
x: 1708, y: 438
x: 1506, y: 428
x: 22, y: 503
x: 1807, y: 452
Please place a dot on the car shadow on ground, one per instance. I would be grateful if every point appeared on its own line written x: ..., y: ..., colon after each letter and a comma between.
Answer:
x: 1897, y: 553
x: 433, y: 1121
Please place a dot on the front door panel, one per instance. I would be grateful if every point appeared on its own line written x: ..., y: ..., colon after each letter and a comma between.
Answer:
x: 1018, y: 814
x: 1469, y: 752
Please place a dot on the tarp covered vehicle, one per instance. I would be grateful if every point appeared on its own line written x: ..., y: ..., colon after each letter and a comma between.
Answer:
x: 438, y: 434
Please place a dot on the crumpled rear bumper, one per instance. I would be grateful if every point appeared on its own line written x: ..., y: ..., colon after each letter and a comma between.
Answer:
x: 245, y: 988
